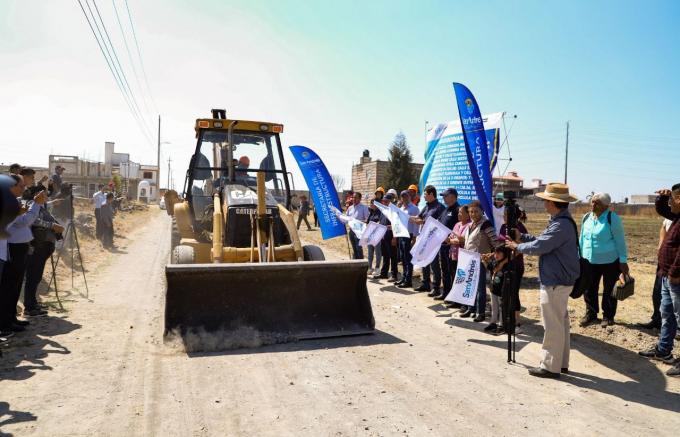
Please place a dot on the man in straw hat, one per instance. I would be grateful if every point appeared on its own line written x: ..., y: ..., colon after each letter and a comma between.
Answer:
x: 558, y: 270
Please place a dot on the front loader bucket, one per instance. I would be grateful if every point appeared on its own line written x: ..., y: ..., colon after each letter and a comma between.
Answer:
x: 275, y: 302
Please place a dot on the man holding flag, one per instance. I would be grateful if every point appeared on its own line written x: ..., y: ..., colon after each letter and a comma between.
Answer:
x: 359, y: 212
x: 432, y: 209
x: 449, y: 218
x: 389, y: 253
x: 404, y: 243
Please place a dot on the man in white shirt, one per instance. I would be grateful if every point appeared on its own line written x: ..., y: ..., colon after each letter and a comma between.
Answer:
x: 357, y: 211
x: 99, y: 199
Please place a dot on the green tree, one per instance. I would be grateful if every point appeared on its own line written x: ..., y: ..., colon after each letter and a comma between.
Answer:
x: 117, y: 183
x: 400, y: 171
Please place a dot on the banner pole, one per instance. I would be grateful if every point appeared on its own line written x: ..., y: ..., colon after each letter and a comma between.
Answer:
x: 349, y: 252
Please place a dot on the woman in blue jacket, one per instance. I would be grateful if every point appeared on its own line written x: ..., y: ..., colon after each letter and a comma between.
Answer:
x: 603, y: 246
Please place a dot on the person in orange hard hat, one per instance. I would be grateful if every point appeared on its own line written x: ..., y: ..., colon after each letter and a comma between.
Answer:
x: 413, y: 191
x: 379, y: 193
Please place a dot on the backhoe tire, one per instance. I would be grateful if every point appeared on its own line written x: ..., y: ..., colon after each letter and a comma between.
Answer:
x: 183, y: 255
x: 313, y: 253
x: 174, y: 236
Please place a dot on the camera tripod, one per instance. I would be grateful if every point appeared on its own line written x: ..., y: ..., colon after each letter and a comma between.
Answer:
x: 508, y: 310
x: 70, y: 235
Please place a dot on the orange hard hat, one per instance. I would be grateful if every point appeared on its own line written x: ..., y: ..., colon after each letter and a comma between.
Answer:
x: 380, y: 189
x: 413, y: 187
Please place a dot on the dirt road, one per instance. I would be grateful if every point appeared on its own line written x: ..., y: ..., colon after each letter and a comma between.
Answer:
x: 103, y: 370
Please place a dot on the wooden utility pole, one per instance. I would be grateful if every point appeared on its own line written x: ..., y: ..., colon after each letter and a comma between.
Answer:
x: 566, y: 155
x: 158, y: 158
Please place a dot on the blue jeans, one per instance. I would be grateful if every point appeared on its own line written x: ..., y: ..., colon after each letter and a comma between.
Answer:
x: 480, y: 300
x: 405, y: 255
x: 670, y: 315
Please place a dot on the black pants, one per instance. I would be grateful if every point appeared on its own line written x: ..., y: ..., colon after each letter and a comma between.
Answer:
x: 404, y: 248
x: 107, y: 235
x: 303, y: 217
x: 656, y: 300
x: 389, y: 256
x: 608, y: 274
x: 356, y: 248
x: 435, y: 268
x: 316, y: 220
x: 10, y: 284
x: 445, y: 270
x: 98, y: 224
x: 35, y: 266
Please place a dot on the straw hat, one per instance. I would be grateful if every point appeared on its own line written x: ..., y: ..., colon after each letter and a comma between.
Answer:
x: 557, y: 193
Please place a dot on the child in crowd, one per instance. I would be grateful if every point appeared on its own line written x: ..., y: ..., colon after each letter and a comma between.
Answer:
x: 498, y: 266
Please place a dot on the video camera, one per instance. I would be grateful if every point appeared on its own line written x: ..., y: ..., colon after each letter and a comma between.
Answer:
x: 513, y: 213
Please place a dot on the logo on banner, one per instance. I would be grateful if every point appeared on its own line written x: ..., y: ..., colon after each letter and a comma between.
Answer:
x: 460, y: 276
x: 470, y: 278
x: 470, y: 105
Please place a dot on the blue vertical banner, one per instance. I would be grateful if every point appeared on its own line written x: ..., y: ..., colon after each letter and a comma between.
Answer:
x: 322, y: 190
x: 475, y: 146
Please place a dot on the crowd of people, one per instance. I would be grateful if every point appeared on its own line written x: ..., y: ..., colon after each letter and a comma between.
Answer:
x: 28, y: 242
x: 43, y: 212
x: 594, y: 258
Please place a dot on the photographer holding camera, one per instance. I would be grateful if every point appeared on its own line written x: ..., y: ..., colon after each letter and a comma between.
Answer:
x: 46, y: 231
x: 20, y: 236
x: 558, y: 270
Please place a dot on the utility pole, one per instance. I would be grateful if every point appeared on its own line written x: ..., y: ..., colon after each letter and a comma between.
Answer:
x: 566, y: 155
x: 158, y: 158
x: 169, y: 160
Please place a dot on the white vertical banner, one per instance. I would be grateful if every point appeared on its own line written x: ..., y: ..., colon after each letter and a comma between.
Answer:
x: 429, y: 242
x: 372, y: 235
x: 467, y: 278
x: 398, y: 219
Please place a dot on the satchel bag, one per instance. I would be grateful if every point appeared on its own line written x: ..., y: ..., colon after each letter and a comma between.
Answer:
x: 624, y: 288
x: 581, y: 284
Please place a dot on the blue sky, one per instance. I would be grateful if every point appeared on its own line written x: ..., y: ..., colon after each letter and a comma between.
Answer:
x: 345, y: 76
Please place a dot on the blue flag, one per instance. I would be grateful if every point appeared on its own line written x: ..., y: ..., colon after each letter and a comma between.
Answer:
x: 475, y: 146
x: 322, y: 190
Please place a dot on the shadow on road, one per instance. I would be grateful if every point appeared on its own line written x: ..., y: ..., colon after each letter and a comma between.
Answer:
x: 377, y: 338
x: 8, y: 417
x: 646, y: 384
x: 27, y: 350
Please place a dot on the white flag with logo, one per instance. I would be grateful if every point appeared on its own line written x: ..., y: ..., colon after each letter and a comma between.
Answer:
x: 355, y: 225
x: 373, y: 233
x: 429, y: 242
x: 467, y: 278
x: 398, y: 219
x: 343, y: 218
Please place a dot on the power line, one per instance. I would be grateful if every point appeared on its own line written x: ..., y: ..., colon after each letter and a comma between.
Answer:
x: 104, y: 51
x: 132, y: 63
x: 120, y: 68
x: 139, y: 54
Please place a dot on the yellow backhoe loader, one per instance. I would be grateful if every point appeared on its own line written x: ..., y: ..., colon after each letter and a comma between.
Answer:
x: 236, y: 258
